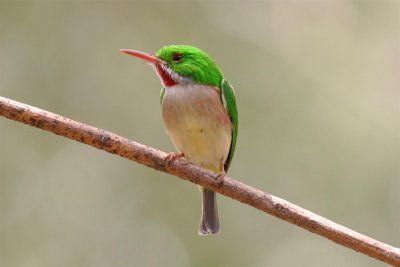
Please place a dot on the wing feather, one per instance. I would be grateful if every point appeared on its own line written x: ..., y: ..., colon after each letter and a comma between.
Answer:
x: 162, y: 95
x: 229, y: 102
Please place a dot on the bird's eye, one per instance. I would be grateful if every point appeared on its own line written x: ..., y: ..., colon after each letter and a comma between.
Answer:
x: 177, y: 57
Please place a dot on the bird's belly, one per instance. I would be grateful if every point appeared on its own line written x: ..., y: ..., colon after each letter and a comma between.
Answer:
x: 198, y: 124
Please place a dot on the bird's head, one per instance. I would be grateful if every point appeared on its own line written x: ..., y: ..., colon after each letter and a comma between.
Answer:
x: 182, y: 64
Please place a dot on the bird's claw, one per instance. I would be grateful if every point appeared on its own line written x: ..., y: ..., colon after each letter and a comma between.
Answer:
x: 220, y: 177
x: 172, y: 156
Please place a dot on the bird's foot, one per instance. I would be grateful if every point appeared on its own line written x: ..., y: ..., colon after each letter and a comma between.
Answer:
x: 220, y: 177
x: 172, y: 156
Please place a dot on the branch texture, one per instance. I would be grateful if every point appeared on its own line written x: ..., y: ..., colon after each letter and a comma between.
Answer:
x: 156, y: 159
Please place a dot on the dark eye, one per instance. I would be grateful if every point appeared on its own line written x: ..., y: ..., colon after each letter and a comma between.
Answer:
x: 177, y: 57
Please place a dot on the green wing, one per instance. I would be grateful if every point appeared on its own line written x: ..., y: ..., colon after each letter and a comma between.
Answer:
x: 162, y: 95
x: 229, y: 101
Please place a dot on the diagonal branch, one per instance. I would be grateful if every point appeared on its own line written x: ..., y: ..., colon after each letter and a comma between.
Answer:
x: 156, y: 159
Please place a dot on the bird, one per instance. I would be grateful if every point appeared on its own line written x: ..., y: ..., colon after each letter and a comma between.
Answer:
x: 199, y: 114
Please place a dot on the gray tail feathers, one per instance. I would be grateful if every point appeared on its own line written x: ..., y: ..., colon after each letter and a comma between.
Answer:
x: 209, y: 223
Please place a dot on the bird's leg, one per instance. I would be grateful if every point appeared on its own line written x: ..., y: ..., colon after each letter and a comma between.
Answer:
x: 221, y: 176
x: 171, y: 156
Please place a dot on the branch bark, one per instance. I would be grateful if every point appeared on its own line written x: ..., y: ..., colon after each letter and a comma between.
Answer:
x: 156, y: 159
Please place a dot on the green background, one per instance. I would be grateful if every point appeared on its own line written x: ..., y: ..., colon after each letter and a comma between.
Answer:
x: 317, y: 86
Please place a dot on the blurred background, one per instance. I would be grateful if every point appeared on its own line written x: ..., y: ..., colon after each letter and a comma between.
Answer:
x: 317, y: 86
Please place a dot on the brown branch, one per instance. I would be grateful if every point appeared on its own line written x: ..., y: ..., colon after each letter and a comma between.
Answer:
x: 157, y: 160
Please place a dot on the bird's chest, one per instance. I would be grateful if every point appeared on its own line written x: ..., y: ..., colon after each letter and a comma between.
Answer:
x: 191, y: 106
x: 196, y: 121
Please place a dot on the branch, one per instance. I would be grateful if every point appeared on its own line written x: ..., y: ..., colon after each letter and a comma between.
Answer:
x: 156, y: 159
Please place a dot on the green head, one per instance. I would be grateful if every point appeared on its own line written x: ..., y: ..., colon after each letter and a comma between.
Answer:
x: 182, y: 64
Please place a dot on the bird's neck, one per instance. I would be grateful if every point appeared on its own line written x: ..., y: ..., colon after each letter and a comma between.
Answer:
x: 165, y: 76
x: 170, y: 78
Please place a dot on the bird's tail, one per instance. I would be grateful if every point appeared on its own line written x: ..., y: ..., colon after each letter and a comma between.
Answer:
x: 209, y: 223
